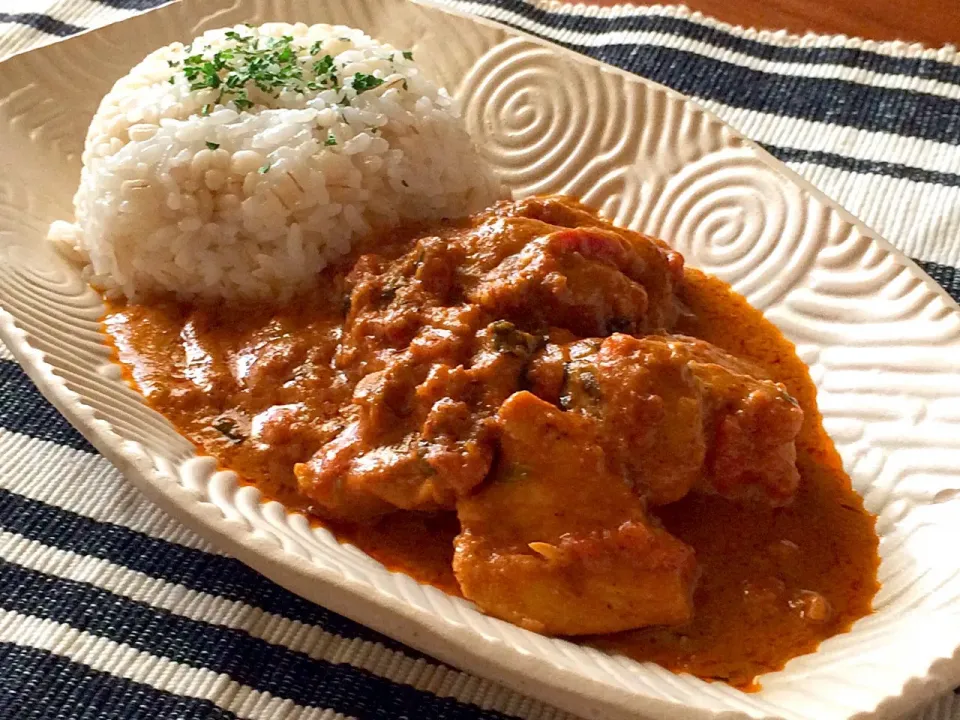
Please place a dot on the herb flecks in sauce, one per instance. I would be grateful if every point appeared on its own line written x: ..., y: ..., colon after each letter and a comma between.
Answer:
x: 508, y: 339
x: 229, y: 428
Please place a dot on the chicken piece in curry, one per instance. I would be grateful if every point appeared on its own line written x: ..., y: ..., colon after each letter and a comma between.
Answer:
x: 557, y: 542
x: 677, y: 415
x: 546, y: 414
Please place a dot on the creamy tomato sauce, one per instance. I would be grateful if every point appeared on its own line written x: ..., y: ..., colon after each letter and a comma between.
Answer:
x: 262, y: 389
x: 766, y: 574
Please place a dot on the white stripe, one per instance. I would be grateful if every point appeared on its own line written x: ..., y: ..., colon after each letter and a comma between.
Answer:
x: 99, y: 653
x: 679, y: 42
x: 310, y: 640
x: 74, y: 10
x: 922, y: 220
x: 87, y: 14
x: 84, y: 483
x: 15, y: 38
x: 18, y: 7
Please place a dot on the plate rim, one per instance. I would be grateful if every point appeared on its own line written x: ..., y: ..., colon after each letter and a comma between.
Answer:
x: 527, y: 674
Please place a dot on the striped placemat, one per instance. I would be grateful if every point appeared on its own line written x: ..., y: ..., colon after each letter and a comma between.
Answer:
x: 108, y: 609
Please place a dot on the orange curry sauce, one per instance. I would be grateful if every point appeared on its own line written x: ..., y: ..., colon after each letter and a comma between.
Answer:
x: 775, y: 582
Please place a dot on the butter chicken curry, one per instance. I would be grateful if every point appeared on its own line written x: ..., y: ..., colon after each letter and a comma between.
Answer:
x: 548, y: 415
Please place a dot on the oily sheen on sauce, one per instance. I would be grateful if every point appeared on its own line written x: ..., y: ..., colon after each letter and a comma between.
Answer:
x: 775, y: 579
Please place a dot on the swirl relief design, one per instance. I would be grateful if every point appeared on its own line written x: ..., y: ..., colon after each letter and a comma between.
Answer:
x: 882, y: 342
x: 551, y: 122
x: 733, y: 216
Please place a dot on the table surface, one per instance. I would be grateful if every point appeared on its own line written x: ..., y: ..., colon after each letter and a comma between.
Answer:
x: 932, y: 22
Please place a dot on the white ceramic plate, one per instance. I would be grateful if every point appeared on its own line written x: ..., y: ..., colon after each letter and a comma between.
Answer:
x: 882, y: 340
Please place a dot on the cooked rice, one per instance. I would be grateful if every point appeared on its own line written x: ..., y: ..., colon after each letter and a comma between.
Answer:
x: 181, y: 193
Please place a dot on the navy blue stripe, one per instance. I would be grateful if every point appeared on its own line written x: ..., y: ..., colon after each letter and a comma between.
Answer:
x: 248, y: 660
x: 132, y: 4
x: 204, y: 572
x: 947, y: 277
x: 901, y: 112
x: 24, y: 410
x: 38, y: 685
x: 681, y: 27
x: 871, y: 167
x: 43, y: 23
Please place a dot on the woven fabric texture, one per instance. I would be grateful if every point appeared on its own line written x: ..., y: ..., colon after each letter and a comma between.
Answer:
x: 109, y: 609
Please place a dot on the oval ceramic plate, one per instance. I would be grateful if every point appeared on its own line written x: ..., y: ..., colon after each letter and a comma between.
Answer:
x: 882, y: 341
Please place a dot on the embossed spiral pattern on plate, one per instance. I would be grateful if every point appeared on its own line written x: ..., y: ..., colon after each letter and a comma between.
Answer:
x: 733, y: 216
x: 534, y: 115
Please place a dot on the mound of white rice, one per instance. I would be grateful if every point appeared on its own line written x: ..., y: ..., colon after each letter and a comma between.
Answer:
x: 239, y: 166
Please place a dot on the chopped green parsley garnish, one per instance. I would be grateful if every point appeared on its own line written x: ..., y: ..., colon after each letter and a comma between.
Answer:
x: 212, y: 145
x: 331, y: 140
x: 271, y: 65
x: 264, y: 169
x: 363, y: 82
x: 408, y: 54
x: 324, y: 65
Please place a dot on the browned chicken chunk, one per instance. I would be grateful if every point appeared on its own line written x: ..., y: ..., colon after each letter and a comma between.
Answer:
x: 591, y: 279
x: 678, y: 414
x: 557, y: 543
x: 662, y: 266
x: 419, y: 434
x: 580, y: 279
